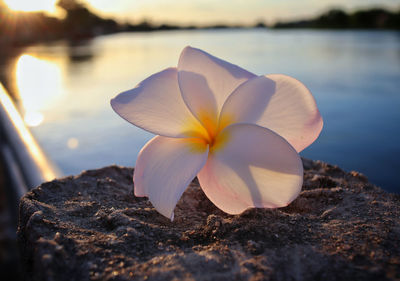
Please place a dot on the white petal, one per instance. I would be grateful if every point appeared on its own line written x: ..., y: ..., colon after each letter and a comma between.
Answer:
x: 156, y: 105
x: 206, y: 81
x: 164, y: 169
x: 279, y: 103
x: 253, y: 167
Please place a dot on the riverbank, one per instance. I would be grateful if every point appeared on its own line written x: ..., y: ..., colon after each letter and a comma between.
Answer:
x: 92, y: 227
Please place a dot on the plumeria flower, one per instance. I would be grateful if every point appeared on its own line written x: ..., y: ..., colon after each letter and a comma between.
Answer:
x: 238, y: 132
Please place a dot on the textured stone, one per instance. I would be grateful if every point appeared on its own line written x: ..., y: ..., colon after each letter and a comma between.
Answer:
x: 92, y: 227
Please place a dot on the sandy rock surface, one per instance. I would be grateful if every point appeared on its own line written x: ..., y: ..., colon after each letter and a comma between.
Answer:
x: 91, y: 227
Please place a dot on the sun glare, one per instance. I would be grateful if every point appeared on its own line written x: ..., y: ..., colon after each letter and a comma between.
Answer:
x: 39, y: 86
x: 31, y: 5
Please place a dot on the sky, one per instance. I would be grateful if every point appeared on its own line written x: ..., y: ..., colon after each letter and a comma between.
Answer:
x: 207, y: 11
x: 227, y: 11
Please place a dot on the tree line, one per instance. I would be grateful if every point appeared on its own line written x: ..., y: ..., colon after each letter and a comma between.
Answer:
x: 376, y: 18
x: 80, y: 23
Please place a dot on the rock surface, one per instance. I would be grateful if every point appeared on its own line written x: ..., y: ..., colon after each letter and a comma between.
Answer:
x: 91, y: 227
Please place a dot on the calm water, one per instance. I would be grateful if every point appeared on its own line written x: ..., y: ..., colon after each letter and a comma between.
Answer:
x: 354, y: 76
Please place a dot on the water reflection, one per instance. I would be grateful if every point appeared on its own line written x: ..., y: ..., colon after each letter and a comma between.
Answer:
x: 39, y: 86
x: 80, y: 51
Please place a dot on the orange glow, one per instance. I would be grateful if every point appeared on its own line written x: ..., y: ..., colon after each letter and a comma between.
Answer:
x: 31, y: 5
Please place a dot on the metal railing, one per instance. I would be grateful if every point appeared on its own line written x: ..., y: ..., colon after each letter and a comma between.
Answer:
x: 25, y: 163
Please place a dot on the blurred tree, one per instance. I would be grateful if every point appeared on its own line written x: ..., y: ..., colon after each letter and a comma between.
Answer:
x: 80, y: 23
x: 335, y: 18
x: 69, y: 5
x: 375, y: 18
x: 394, y: 21
x: 338, y: 19
x: 2, y: 18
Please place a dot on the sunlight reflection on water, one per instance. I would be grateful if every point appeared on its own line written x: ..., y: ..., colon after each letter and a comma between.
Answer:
x: 354, y: 76
x: 39, y: 86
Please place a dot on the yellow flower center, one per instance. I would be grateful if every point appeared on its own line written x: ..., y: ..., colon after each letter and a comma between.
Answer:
x: 208, y: 133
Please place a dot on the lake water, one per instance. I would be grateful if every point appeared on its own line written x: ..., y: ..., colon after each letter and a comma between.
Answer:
x: 65, y: 90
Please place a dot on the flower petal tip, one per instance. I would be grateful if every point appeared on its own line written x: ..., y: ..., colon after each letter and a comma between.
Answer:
x: 112, y: 103
x: 188, y: 47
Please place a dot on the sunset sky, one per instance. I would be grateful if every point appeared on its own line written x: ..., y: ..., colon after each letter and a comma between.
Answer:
x: 209, y: 11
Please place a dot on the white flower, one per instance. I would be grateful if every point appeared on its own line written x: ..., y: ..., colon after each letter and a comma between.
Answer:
x: 238, y: 132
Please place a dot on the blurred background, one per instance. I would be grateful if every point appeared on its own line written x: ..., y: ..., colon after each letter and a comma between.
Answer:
x: 62, y: 61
